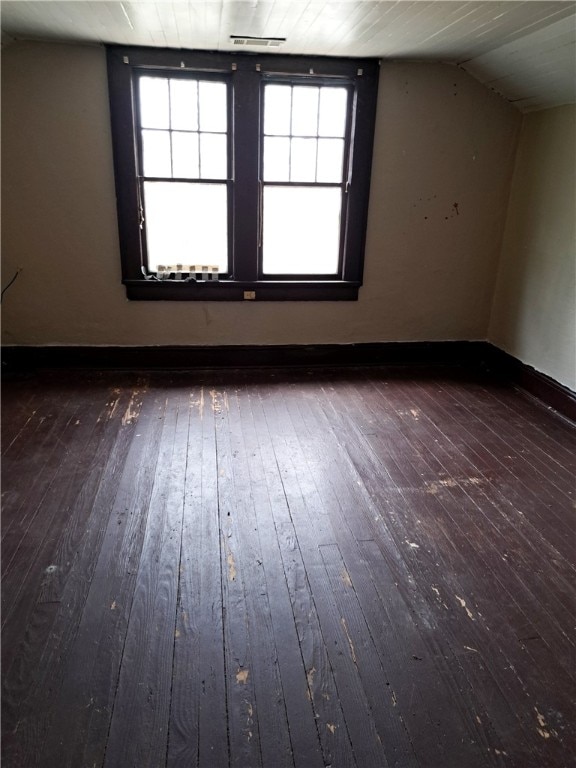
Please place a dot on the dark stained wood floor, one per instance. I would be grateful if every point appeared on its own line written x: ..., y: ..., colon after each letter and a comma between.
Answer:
x: 277, y: 569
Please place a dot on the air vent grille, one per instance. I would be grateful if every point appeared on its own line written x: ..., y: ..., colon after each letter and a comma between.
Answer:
x: 261, y: 42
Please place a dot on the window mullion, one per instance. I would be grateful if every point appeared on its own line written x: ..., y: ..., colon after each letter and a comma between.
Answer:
x: 246, y: 147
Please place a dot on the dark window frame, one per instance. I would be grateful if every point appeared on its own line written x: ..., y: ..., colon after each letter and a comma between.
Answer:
x: 141, y: 178
x: 247, y: 74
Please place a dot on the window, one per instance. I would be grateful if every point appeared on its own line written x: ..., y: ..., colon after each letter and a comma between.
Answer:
x: 241, y: 176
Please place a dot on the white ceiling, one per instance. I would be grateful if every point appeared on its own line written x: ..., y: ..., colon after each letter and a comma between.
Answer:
x: 524, y: 50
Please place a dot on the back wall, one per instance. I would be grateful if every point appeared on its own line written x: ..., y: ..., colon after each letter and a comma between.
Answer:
x: 443, y: 158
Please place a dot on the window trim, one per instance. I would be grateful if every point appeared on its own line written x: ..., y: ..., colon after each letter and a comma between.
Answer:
x: 248, y: 74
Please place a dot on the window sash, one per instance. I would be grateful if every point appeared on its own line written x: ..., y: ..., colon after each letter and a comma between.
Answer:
x: 199, y: 179
x: 312, y: 133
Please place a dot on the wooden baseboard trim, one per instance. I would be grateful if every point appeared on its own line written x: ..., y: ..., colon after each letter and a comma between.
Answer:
x: 544, y: 388
x: 479, y: 356
x: 245, y: 356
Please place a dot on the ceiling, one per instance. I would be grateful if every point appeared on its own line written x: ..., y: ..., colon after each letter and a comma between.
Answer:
x: 525, y: 51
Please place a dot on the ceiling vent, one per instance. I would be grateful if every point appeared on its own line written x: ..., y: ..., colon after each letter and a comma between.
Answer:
x: 261, y: 42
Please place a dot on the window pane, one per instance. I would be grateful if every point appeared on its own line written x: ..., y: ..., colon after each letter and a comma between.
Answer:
x: 330, y: 156
x: 213, y: 156
x: 212, y: 98
x: 184, y: 105
x: 276, y: 159
x: 304, y: 111
x: 185, y: 155
x: 301, y: 232
x: 154, y: 110
x: 277, y: 100
x: 303, y: 160
x: 156, y: 153
x: 186, y: 224
x: 333, y: 102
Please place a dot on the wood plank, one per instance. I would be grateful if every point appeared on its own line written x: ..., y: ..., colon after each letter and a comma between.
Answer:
x: 138, y: 732
x: 423, y: 588
x: 30, y: 548
x: 38, y: 668
x: 311, y: 531
x: 245, y: 564
x: 321, y: 685
x: 198, y: 719
x: 527, y: 453
x: 544, y: 428
x: 451, y: 488
x: 19, y: 404
x: 431, y: 739
x: 35, y: 470
x: 83, y: 701
x: 428, y: 548
x: 303, y: 730
x: 462, y: 479
x: 240, y: 645
x: 460, y: 430
x: 59, y: 532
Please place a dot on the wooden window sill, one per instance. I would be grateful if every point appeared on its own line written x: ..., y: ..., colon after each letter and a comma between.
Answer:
x: 223, y: 290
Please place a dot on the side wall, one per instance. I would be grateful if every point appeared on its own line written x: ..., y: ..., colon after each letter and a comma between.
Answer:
x: 534, y: 312
x: 442, y: 165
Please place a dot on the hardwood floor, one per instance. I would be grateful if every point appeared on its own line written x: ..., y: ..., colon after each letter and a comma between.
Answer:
x: 286, y: 569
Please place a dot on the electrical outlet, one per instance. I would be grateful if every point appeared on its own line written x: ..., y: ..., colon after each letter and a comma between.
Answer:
x: 249, y: 295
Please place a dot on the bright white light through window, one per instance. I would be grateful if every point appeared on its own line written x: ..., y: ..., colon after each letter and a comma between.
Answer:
x: 304, y: 111
x: 154, y: 102
x: 304, y: 131
x: 186, y: 224
x: 184, y: 126
x: 184, y: 136
x: 301, y: 230
x: 332, y: 113
x: 183, y: 104
x: 185, y: 155
x: 278, y: 110
x: 156, y: 153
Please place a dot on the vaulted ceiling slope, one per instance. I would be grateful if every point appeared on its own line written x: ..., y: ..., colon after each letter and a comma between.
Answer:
x: 525, y: 51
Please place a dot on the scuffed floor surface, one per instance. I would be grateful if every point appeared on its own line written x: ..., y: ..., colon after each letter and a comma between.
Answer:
x: 286, y: 569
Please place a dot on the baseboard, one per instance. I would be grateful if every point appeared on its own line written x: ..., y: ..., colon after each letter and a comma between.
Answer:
x: 537, y: 384
x: 244, y: 356
x: 479, y: 356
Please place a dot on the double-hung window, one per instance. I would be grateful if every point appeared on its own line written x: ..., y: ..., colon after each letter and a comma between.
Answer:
x: 241, y: 177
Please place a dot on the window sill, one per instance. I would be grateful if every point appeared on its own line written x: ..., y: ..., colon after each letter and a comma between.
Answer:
x: 223, y: 290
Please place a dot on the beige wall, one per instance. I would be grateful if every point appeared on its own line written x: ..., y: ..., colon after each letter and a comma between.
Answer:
x: 443, y: 160
x: 534, y: 312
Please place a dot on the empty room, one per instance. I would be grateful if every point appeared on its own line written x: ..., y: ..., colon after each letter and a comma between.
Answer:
x: 288, y: 384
